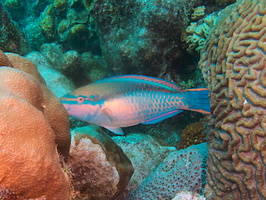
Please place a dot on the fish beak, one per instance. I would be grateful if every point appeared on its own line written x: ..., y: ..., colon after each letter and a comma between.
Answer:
x: 64, y: 101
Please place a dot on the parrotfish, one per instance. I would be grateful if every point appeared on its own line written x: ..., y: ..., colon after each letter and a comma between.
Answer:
x: 127, y: 100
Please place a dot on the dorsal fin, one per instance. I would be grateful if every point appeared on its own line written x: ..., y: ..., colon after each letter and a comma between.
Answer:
x: 157, y: 82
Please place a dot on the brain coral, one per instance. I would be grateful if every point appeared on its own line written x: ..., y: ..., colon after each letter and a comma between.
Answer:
x: 30, y: 165
x: 233, y: 63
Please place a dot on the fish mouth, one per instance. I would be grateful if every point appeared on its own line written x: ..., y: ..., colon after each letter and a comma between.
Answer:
x: 67, y: 107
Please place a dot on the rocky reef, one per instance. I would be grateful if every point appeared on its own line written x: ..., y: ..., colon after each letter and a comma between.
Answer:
x: 12, y: 39
x: 70, y: 43
x: 146, y: 35
x: 133, y: 37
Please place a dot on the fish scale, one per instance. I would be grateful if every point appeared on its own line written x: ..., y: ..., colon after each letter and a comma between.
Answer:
x: 128, y: 100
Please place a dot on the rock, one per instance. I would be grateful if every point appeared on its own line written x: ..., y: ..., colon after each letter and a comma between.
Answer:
x: 55, y: 81
x: 100, y: 168
x: 145, y: 153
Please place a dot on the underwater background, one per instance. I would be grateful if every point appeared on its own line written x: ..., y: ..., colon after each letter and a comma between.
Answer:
x: 52, y: 47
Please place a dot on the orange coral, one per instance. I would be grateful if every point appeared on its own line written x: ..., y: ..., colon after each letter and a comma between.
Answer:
x: 30, y: 165
x: 192, y: 134
x: 233, y: 62
x: 24, y: 64
x: 54, y: 111
x: 4, y: 60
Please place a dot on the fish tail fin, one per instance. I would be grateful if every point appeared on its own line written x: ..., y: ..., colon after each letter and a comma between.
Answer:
x: 198, y: 100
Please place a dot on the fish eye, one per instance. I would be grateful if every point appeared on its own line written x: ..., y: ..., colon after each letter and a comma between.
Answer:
x: 80, y: 99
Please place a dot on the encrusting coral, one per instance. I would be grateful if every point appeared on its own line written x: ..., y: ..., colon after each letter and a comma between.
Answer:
x: 233, y: 63
x: 192, y: 134
x: 31, y: 166
x: 182, y: 170
x: 47, y: 23
x: 140, y: 148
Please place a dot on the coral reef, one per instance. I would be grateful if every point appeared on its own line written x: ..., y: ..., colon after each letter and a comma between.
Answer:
x: 29, y: 157
x: 12, y: 38
x: 96, y: 68
x: 197, y: 32
x: 60, y: 5
x: 140, y: 148
x: 146, y: 35
x: 71, y: 63
x: 47, y: 23
x: 54, y: 53
x: 198, y: 13
x: 78, y: 34
x: 56, y: 21
x: 193, y: 134
x: 79, y: 68
x: 233, y: 64
x: 55, y: 81
x: 182, y: 170
x: 225, y: 2
x: 13, y: 4
x: 100, y: 168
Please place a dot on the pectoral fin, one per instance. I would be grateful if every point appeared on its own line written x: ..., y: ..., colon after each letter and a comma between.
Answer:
x: 115, y: 130
x: 108, y: 113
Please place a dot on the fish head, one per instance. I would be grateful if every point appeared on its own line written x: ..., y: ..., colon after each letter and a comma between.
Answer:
x: 81, y: 107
